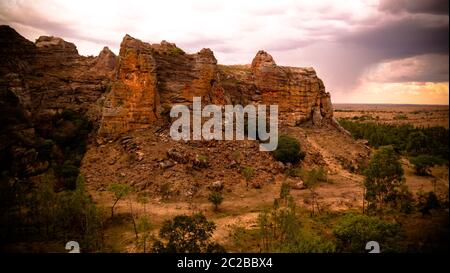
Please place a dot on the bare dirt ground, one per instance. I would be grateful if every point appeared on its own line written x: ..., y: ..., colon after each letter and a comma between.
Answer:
x: 418, y: 115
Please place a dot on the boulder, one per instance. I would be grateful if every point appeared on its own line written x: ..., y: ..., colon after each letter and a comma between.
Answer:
x: 177, y: 155
x: 216, y: 186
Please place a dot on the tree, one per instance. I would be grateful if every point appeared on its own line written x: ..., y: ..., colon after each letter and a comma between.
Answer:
x: 288, y: 150
x: 423, y: 163
x: 144, y: 228
x: 248, y: 173
x: 313, y: 177
x: 383, y: 177
x: 353, y: 231
x: 216, y: 198
x: 120, y: 191
x: 186, y: 234
x: 417, y: 143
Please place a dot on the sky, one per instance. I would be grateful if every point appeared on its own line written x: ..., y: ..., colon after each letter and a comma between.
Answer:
x: 365, y: 51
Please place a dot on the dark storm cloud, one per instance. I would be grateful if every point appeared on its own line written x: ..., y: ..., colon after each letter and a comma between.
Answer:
x: 415, y: 6
x: 402, y: 38
x: 424, y: 68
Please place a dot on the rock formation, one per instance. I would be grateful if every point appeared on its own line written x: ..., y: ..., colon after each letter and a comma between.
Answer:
x: 296, y: 91
x: 150, y: 78
x: 136, y: 89
x: 49, y: 75
x: 153, y: 77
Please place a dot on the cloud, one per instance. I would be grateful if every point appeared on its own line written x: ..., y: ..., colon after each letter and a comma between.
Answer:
x: 404, y: 37
x: 423, y: 68
x: 27, y: 14
x: 415, y: 6
x: 347, y: 42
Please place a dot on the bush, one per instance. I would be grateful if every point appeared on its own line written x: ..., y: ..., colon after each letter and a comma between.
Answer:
x: 288, y: 150
x: 417, y: 143
x: 280, y: 230
x: 314, y: 176
x: 427, y: 202
x: 186, y: 234
x: 353, y: 231
x: 248, y: 173
x: 423, y: 163
x: 176, y: 51
x: 216, y: 198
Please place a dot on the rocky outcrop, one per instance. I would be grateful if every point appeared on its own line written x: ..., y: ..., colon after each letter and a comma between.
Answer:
x: 153, y: 77
x: 137, y: 89
x: 106, y: 60
x: 298, y: 92
x: 49, y: 75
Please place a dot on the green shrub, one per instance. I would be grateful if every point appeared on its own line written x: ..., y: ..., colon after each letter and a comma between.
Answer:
x: 423, y: 163
x: 216, y: 198
x: 427, y: 202
x: 186, y: 234
x: 176, y: 51
x: 314, y: 176
x: 417, y: 143
x: 288, y: 150
x: 248, y: 173
x: 353, y: 231
x: 280, y: 230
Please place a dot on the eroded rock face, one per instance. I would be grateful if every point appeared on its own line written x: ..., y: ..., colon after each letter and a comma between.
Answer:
x: 296, y: 91
x: 49, y: 76
x: 153, y: 77
x: 137, y: 89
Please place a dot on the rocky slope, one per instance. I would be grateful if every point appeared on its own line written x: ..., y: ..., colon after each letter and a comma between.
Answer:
x: 136, y: 89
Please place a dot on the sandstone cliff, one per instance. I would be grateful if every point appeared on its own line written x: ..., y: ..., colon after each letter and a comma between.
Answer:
x: 152, y: 77
x: 49, y: 75
x: 136, y: 89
